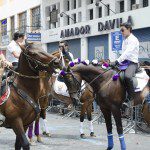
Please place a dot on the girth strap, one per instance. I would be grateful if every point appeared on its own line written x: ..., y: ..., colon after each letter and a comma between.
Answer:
x: 26, y: 97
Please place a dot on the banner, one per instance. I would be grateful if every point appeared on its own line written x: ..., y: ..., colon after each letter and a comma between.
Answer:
x: 33, y: 36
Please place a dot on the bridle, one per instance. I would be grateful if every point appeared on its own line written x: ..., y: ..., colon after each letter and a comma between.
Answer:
x: 35, y: 64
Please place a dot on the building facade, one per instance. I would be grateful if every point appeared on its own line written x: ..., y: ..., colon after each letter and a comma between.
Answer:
x: 89, y: 26
x: 18, y: 15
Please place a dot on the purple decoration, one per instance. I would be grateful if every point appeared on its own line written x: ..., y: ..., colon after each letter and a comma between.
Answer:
x: 71, y: 64
x: 62, y: 72
x: 115, y: 77
x: 83, y: 62
x: 30, y: 131
x: 79, y: 60
x: 36, y: 128
x: 106, y: 64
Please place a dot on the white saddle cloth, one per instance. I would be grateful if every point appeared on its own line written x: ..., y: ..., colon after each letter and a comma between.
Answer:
x: 142, y: 79
x: 61, y: 88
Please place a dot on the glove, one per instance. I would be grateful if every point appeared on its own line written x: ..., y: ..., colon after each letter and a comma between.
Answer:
x: 114, y: 64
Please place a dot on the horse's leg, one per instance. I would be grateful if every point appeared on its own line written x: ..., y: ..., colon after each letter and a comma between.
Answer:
x: 37, y: 130
x: 107, y: 115
x: 30, y: 133
x: 89, y: 117
x: 117, y: 116
x: 21, y: 139
x: 43, y: 123
x: 82, y: 116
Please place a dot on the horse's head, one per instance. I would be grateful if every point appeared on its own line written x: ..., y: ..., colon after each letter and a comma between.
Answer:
x: 38, y: 59
x: 73, y: 83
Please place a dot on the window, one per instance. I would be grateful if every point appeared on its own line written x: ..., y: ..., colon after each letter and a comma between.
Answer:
x: 75, y: 18
x: 4, y: 27
x: 74, y: 4
x: 68, y: 20
x: 99, y: 12
x: 132, y: 3
x: 91, y: 14
x: 145, y: 3
x: 107, y: 10
x: 68, y: 5
x: 12, y: 24
x: 36, y: 18
x: 22, y: 22
x: 91, y: 1
x: 121, y: 6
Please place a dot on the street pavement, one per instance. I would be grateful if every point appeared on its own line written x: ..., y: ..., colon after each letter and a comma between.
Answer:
x: 65, y: 136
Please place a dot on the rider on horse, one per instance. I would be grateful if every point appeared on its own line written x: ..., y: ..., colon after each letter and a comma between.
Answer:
x: 130, y: 48
x: 3, y: 63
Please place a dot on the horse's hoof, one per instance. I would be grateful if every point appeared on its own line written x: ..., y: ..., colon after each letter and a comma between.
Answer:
x: 92, y: 134
x: 39, y: 139
x: 32, y: 142
x: 82, y: 136
x: 47, y: 134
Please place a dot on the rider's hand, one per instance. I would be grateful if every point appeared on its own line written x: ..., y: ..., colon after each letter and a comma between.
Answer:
x: 7, y: 63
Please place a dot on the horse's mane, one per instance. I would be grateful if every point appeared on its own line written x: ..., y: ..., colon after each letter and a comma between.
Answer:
x: 81, y: 68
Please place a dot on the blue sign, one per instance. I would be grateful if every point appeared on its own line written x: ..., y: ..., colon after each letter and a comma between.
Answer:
x: 117, y: 39
x: 33, y: 36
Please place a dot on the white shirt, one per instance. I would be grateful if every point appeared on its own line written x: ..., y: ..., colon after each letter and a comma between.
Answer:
x: 12, y: 47
x: 130, y: 49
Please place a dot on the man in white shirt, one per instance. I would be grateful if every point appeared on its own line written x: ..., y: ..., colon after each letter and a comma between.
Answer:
x: 64, y: 48
x: 130, y: 48
x: 13, y: 49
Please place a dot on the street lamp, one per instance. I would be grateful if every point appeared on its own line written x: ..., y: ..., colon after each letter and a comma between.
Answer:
x: 63, y: 13
x: 100, y: 1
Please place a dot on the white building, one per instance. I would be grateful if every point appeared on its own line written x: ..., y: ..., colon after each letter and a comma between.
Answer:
x: 18, y: 15
x: 90, y: 24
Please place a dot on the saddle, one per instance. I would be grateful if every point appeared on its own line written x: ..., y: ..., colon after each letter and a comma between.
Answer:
x: 140, y: 79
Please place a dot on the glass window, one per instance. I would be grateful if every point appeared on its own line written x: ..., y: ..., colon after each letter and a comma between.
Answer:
x: 91, y: 14
x: 132, y: 3
x: 108, y: 10
x: 22, y: 22
x: 100, y: 12
x: 145, y: 3
x: 4, y: 27
x: 121, y: 6
x: 36, y: 18
x: 12, y: 24
x: 68, y: 5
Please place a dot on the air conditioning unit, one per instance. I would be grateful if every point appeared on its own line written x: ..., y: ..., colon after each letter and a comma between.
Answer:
x: 135, y: 6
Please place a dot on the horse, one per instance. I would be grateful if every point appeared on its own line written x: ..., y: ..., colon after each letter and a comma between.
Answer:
x: 86, y: 98
x: 22, y: 106
x: 110, y: 95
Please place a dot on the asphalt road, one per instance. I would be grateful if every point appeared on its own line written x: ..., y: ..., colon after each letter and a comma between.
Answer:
x: 65, y: 136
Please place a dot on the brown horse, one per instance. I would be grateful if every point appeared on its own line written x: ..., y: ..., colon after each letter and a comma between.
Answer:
x: 22, y: 106
x: 110, y: 95
x: 86, y: 98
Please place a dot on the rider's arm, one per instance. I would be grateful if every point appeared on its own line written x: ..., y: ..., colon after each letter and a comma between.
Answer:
x: 15, y: 54
x: 131, y: 50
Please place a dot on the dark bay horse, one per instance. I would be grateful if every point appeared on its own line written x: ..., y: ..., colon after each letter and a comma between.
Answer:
x: 86, y: 98
x: 22, y: 106
x: 110, y: 95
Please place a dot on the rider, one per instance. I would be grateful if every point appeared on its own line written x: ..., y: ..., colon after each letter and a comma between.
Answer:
x: 64, y: 48
x: 130, y: 48
x: 14, y: 50
x: 3, y: 63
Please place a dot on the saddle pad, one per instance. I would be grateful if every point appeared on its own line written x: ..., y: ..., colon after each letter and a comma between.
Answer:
x: 61, y: 88
x: 142, y: 80
x: 5, y: 96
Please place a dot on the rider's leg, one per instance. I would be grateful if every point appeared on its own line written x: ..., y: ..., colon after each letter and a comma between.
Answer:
x: 129, y: 73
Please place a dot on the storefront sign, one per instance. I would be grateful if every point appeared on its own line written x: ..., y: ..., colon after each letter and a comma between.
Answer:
x: 144, y: 50
x: 33, y: 36
x: 75, y: 31
x: 116, y: 39
x: 112, y: 24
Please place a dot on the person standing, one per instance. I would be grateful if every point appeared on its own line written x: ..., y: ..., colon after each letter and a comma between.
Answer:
x: 14, y: 50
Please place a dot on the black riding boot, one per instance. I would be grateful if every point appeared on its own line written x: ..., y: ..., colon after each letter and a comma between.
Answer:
x: 130, y: 89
